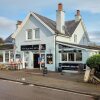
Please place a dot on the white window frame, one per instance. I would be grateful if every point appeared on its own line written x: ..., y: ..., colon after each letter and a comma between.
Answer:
x: 37, y: 29
x: 33, y: 34
x: 75, y: 38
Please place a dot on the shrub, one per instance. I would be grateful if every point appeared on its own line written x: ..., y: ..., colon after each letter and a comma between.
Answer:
x: 94, y: 62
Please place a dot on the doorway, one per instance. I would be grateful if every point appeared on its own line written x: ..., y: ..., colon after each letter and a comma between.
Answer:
x: 36, y: 64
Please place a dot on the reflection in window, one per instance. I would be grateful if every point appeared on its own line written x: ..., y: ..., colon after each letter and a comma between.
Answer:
x: 64, y: 56
x: 29, y: 34
x: 75, y: 38
x: 78, y: 56
x: 1, y: 56
x: 49, y: 59
x: 71, y: 56
x: 37, y: 33
x: 7, y: 56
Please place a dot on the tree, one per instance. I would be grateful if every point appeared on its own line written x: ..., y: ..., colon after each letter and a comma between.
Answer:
x: 94, y: 62
x: 1, y: 41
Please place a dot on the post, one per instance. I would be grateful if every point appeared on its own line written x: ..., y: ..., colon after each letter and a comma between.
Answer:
x: 23, y: 60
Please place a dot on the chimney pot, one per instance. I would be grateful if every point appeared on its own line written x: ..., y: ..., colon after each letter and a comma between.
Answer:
x: 60, y: 7
x: 78, y: 13
x: 19, y: 22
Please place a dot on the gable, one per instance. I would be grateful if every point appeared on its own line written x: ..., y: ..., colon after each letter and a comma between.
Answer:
x: 81, y: 34
x: 25, y: 21
x: 70, y: 26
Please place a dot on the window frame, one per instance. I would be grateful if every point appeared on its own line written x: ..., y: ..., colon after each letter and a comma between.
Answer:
x: 33, y: 34
x: 75, y: 38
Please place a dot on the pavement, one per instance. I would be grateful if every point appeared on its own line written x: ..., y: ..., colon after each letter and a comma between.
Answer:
x: 68, y: 81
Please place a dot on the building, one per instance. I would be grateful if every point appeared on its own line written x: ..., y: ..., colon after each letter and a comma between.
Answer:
x: 39, y: 41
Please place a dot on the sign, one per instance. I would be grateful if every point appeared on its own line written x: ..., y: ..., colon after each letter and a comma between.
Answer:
x: 33, y: 47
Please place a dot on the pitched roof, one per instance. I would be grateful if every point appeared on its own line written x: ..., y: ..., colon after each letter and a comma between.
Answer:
x: 9, y: 39
x: 70, y: 26
x: 6, y: 46
x: 82, y: 46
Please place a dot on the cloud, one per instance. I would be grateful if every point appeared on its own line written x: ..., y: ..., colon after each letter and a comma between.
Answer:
x: 6, y: 26
x: 92, y: 6
x: 17, y: 9
x: 85, y: 5
x: 95, y: 36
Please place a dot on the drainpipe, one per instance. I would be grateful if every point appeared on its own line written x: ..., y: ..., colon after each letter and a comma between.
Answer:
x: 55, y: 54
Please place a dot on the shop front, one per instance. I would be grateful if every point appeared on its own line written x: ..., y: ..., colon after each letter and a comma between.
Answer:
x: 34, y: 55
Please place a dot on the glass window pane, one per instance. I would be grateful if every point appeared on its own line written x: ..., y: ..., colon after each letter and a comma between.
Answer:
x: 7, y: 56
x: 1, y: 56
x: 37, y: 34
x: 71, y: 56
x: 75, y: 38
x: 29, y: 34
x: 78, y: 56
x: 64, y: 56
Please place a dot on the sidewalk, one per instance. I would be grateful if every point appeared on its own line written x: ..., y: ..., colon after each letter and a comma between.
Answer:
x: 70, y: 82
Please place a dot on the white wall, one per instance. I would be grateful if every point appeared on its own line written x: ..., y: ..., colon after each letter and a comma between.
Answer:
x: 46, y: 37
x: 80, y: 35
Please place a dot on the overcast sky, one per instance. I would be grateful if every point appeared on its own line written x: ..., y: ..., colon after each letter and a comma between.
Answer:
x: 13, y: 10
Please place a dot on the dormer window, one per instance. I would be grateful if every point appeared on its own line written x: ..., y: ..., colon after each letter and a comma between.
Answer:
x: 33, y: 34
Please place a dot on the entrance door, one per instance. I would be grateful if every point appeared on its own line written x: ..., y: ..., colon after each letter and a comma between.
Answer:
x: 36, y: 64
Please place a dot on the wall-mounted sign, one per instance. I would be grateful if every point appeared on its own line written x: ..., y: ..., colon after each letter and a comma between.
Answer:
x: 49, y: 58
x: 33, y: 47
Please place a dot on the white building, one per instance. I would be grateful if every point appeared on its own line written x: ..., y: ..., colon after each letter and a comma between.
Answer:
x: 55, y: 44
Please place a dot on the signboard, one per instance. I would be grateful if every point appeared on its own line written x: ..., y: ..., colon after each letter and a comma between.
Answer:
x: 33, y: 47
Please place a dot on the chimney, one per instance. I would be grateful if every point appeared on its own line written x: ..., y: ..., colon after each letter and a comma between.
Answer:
x: 78, y: 16
x: 18, y: 24
x: 60, y: 19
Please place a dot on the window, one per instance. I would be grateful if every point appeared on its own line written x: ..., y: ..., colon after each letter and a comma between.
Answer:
x: 75, y: 38
x: 11, y: 55
x: 83, y: 40
x: 7, y: 56
x: 1, y: 56
x: 49, y: 58
x: 71, y: 56
x: 78, y: 56
x: 37, y: 33
x: 29, y: 34
x: 64, y: 56
x: 32, y: 34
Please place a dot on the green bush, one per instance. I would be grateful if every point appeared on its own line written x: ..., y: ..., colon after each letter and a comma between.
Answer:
x: 94, y: 62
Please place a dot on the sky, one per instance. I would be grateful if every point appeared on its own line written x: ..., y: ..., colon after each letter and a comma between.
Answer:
x: 13, y: 10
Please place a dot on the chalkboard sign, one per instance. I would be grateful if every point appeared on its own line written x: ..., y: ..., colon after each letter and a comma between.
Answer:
x: 49, y: 58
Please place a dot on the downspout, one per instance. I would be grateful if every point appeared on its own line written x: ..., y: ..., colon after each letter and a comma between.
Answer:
x: 55, y: 53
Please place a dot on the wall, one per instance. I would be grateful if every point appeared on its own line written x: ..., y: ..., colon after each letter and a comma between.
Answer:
x: 46, y: 37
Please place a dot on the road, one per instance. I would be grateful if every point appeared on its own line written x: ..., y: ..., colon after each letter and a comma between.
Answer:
x: 17, y: 91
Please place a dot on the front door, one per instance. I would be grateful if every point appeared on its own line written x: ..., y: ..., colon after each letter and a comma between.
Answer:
x: 36, y: 64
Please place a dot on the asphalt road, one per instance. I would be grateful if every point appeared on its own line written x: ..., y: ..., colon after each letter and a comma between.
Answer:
x: 17, y: 91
